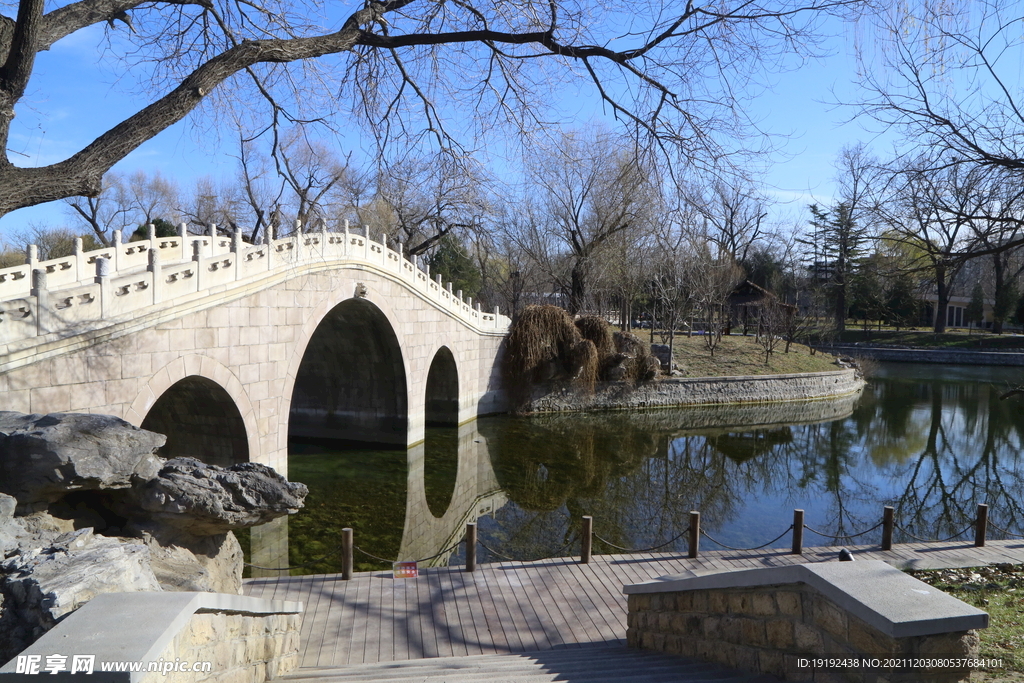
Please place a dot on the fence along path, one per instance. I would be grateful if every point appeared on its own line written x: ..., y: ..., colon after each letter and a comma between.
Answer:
x: 505, y: 607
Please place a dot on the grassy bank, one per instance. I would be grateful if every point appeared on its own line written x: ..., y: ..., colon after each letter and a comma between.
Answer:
x: 977, y: 340
x: 999, y: 590
x: 738, y: 355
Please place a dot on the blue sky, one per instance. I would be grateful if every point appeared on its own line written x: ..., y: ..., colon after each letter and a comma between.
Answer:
x: 74, y: 96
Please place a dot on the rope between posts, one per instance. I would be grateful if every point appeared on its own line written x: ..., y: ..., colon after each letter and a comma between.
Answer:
x: 729, y: 547
x: 298, y: 566
x: 1004, y: 531
x: 642, y: 550
x: 512, y: 559
x: 935, y: 540
x: 381, y: 559
x: 837, y: 537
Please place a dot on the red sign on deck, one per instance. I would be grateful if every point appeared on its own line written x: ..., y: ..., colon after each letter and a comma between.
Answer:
x: 406, y: 570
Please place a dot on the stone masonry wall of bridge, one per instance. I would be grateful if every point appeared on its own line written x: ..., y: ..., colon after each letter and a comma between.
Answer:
x: 111, y: 331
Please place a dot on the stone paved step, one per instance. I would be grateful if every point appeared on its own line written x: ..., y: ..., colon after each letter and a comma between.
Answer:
x: 597, y: 663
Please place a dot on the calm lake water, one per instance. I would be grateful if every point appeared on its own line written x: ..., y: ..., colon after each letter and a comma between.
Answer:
x: 932, y: 441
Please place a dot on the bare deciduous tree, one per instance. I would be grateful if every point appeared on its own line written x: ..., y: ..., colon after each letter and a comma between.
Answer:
x: 403, y: 69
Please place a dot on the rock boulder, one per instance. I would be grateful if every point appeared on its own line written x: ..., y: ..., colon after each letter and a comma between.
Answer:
x: 189, y: 498
x: 46, y: 456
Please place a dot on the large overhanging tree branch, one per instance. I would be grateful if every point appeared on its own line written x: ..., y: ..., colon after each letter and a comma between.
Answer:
x: 416, y: 69
x: 948, y: 80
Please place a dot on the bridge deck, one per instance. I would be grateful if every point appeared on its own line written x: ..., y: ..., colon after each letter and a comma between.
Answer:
x: 527, y: 606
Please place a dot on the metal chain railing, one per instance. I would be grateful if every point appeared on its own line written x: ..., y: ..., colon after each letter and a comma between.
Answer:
x: 729, y: 547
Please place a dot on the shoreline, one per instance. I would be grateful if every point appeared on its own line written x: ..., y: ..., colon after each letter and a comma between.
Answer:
x: 927, y: 355
x: 697, y: 391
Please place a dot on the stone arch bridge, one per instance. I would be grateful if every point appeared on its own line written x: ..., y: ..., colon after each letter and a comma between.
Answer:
x: 229, y: 348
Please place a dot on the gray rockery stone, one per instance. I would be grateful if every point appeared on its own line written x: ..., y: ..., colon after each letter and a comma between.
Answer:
x: 190, y: 497
x: 43, y: 457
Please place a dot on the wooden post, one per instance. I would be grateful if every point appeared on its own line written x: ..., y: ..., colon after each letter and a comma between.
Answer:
x: 980, y: 526
x: 798, y: 532
x: 888, y: 522
x: 694, y: 533
x: 588, y: 539
x: 346, y: 554
x: 470, y: 546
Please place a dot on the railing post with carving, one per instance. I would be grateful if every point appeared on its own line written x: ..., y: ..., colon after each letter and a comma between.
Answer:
x: 157, y: 275
x: 197, y: 259
x: 236, y: 250
x: 39, y: 291
x: 103, y: 280
x: 269, y: 233
x: 32, y: 256
x: 213, y: 239
x: 300, y: 239
x: 118, y: 248
x: 80, y: 260
x: 186, y: 249
x: 366, y: 243
x: 323, y: 240
x: 345, y: 242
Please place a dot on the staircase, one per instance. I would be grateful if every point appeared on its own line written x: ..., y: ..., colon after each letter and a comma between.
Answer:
x: 598, y: 663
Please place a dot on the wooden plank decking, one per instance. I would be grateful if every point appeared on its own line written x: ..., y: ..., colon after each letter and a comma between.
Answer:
x: 528, y: 606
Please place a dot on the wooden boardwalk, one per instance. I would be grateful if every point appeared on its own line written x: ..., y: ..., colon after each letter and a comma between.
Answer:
x: 528, y: 606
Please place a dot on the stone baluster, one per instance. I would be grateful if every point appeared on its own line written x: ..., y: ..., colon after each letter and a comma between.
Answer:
x: 346, y: 237
x: 44, y: 315
x: 118, y: 248
x: 80, y: 260
x: 236, y: 250
x: 271, y: 247
x: 157, y: 275
x: 323, y: 239
x: 300, y: 239
x: 459, y: 295
x: 197, y: 259
x: 213, y: 239
x: 32, y: 256
x: 186, y: 250
x: 366, y: 242
x: 151, y: 235
x: 106, y: 292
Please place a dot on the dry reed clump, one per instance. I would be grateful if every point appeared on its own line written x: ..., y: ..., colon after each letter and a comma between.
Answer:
x: 539, y: 344
x: 597, y: 330
x: 639, y: 365
x: 545, y: 344
x: 585, y: 363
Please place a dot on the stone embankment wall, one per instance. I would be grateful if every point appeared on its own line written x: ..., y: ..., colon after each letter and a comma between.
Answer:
x: 705, y: 391
x: 242, y: 648
x: 769, y: 629
x: 928, y: 355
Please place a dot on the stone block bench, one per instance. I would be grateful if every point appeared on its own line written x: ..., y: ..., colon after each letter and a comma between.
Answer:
x: 870, y: 621
x: 227, y: 638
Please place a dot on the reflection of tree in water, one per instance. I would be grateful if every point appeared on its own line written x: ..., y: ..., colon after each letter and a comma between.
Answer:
x: 638, y: 482
x: 971, y: 455
x: 933, y: 449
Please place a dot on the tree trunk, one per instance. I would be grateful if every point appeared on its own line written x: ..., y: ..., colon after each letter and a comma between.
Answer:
x: 941, y: 306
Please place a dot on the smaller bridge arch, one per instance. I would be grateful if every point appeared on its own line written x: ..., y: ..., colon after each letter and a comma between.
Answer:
x: 441, y: 405
x: 203, y: 410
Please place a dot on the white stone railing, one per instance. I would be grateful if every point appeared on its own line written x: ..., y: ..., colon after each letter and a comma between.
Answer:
x: 86, y: 290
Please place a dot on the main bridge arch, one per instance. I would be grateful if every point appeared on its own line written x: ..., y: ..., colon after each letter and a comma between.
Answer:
x: 240, y: 347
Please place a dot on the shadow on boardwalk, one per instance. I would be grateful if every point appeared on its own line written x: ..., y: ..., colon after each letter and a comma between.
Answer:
x: 510, y: 607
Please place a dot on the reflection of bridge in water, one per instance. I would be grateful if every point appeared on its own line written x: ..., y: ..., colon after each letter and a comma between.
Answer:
x: 477, y: 492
